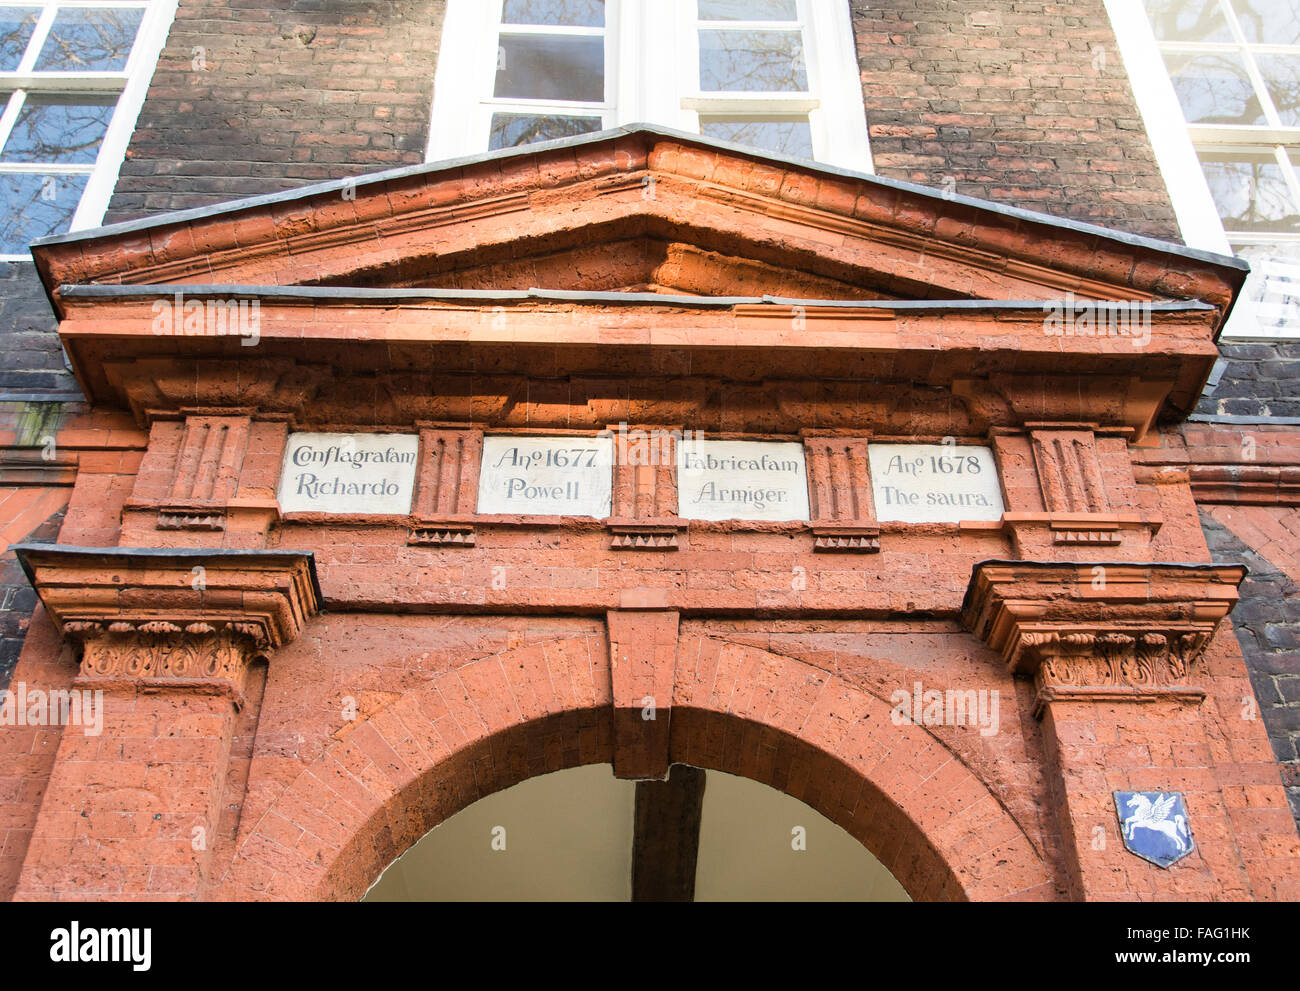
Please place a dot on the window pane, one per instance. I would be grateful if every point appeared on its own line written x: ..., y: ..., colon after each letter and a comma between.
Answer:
x: 16, y: 24
x: 1273, y: 287
x: 513, y: 130
x: 1214, y: 89
x: 37, y: 205
x: 1269, y: 22
x: 752, y: 62
x: 1188, y: 20
x: 785, y: 137
x: 90, y: 39
x: 1282, y: 77
x: 62, y: 129
x: 570, y: 13
x: 1250, y: 191
x: 749, y: 10
x: 545, y: 67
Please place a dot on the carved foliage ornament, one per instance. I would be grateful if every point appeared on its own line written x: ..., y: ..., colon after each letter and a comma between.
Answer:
x: 1111, y: 659
x: 208, y: 655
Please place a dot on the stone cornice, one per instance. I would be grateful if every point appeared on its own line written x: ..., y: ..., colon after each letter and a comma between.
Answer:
x: 312, y: 234
x: 261, y: 597
x: 999, y: 363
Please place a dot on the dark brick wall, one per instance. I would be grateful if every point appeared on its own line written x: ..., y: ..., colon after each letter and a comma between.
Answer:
x: 288, y: 92
x: 1020, y: 103
x: 1267, y: 622
x: 31, y: 358
x: 18, y: 598
x: 1257, y: 378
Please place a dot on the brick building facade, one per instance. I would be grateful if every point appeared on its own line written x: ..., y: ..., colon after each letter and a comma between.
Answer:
x: 464, y: 687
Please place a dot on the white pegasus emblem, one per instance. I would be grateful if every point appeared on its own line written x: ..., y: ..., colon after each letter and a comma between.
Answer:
x: 1155, y: 815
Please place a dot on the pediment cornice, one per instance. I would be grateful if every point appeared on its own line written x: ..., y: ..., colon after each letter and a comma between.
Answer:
x: 450, y: 223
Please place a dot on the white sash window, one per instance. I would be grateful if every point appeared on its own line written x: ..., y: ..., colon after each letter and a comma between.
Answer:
x: 779, y: 75
x: 1218, y: 84
x: 73, y: 74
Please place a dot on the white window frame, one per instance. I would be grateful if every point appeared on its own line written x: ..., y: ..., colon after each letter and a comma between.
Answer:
x: 129, y: 84
x: 652, y: 76
x: 1172, y: 141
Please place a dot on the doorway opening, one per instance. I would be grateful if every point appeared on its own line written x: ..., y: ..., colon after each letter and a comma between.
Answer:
x: 584, y: 835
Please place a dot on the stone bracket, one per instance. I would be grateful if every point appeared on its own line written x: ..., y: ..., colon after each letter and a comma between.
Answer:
x: 205, y: 518
x: 428, y: 533
x: 1117, y: 631
x: 842, y: 538
x: 1080, y: 529
x: 183, y: 618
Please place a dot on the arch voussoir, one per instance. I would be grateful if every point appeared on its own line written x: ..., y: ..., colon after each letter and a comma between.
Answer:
x: 932, y: 822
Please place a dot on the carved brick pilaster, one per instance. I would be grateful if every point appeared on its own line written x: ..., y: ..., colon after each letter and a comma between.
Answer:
x: 172, y: 619
x: 840, y: 501
x: 1069, y: 470
x: 1113, y: 631
x: 447, y: 487
x: 195, y: 475
x: 1082, y: 504
x: 644, y: 514
x: 205, y: 472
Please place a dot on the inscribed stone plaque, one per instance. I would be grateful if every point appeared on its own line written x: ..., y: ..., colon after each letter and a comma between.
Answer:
x: 547, y: 476
x: 353, y: 474
x: 934, y: 483
x: 741, y: 480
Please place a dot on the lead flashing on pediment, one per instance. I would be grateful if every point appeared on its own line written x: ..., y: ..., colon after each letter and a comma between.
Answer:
x: 344, y: 294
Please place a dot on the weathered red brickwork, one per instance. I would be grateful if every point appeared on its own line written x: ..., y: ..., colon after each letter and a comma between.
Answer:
x: 310, y: 750
x: 253, y: 96
x: 33, y: 514
x: 1246, y: 481
x: 1024, y: 104
x: 310, y: 760
x: 1267, y: 621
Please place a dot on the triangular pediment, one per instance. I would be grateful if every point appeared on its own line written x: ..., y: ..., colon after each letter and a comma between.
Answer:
x: 639, y: 210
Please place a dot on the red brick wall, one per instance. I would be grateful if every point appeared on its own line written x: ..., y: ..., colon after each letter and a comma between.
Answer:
x: 32, y: 514
x: 253, y: 96
x: 1023, y: 104
x: 1267, y: 620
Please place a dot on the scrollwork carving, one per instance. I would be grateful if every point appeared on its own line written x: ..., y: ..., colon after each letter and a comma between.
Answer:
x: 160, y: 649
x: 1109, y: 659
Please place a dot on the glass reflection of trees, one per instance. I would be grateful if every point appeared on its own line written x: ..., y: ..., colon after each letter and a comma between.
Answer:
x: 90, y: 39
x: 16, y: 26
x: 515, y: 130
x: 62, y: 129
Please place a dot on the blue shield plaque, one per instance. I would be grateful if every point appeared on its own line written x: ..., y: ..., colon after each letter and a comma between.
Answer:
x: 1154, y: 825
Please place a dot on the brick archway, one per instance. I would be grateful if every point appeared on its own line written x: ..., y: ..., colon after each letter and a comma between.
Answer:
x: 794, y: 727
